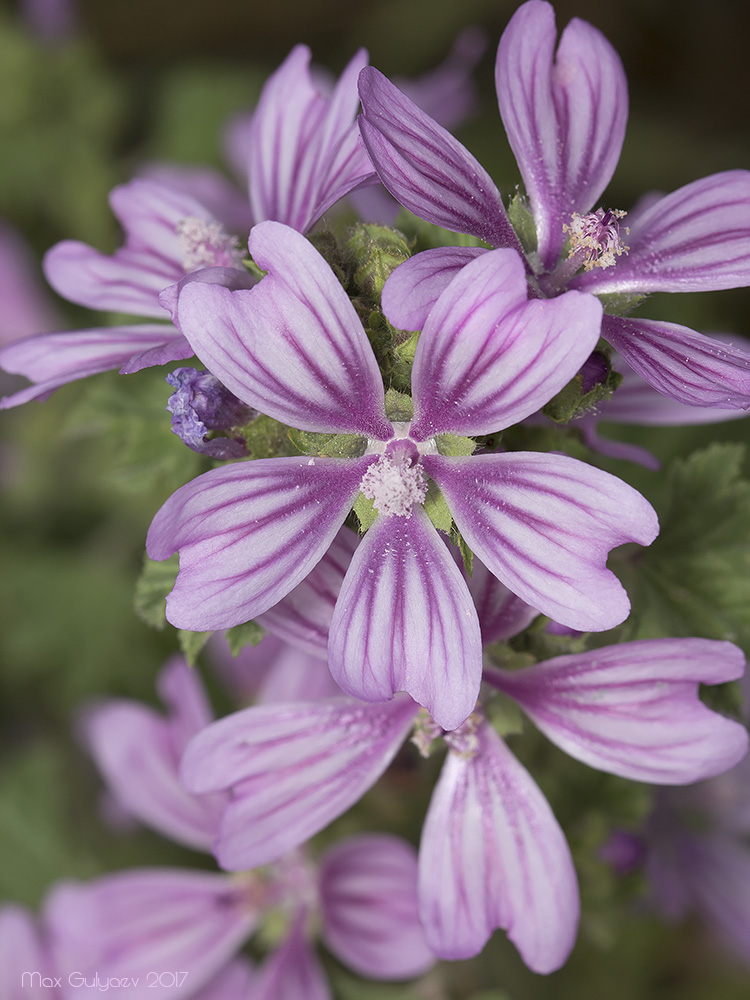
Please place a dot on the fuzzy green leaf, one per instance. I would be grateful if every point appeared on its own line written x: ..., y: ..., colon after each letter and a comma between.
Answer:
x: 151, y: 589
x: 249, y: 634
x: 191, y: 643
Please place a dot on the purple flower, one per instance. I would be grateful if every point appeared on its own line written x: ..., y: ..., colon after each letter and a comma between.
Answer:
x: 294, y: 348
x: 492, y: 854
x: 167, y: 233
x: 363, y: 890
x: 304, y: 156
x: 27, y: 971
x: 565, y: 113
x: 201, y: 404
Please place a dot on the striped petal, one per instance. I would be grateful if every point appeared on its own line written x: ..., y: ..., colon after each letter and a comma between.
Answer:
x: 501, y: 614
x: 138, y: 752
x: 544, y: 525
x: 247, y: 534
x: 292, y: 769
x: 488, y: 357
x: 695, y: 239
x: 51, y: 360
x: 682, y: 364
x: 493, y: 855
x: 125, y: 925
x: 292, y: 971
x: 405, y: 621
x: 303, y: 617
x: 414, y: 287
x: 425, y: 168
x: 368, y: 892
x: 304, y: 152
x: 130, y: 280
x: 292, y: 346
x: 565, y: 115
x: 634, y: 710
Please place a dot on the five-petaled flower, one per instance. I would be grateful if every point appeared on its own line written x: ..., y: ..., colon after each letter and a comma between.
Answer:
x: 294, y: 348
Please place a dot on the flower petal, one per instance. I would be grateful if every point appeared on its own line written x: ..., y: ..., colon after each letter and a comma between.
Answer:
x: 247, y: 534
x: 303, y: 617
x: 130, y: 923
x: 682, y: 364
x: 24, y: 960
x: 130, y: 280
x: 138, y: 752
x: 634, y: 710
x: 292, y: 769
x: 544, y: 525
x: 501, y: 614
x: 368, y: 891
x: 694, y: 239
x: 414, y: 287
x: 565, y: 115
x: 425, y: 168
x: 232, y: 983
x: 293, y: 346
x: 304, y: 153
x: 405, y: 621
x: 292, y: 971
x: 52, y: 360
x: 493, y: 855
x: 488, y: 357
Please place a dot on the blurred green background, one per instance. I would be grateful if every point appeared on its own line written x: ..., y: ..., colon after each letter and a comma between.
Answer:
x: 83, y: 473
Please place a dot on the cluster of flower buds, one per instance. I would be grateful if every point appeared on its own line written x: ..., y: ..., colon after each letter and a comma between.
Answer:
x: 403, y: 547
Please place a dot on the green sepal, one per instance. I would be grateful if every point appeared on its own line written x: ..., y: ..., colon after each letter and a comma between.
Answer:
x: 253, y: 268
x: 454, y: 445
x: 267, y: 438
x: 399, y: 406
x: 191, y: 643
x: 572, y: 402
x: 424, y: 235
x: 437, y: 509
x: 151, y: 588
x: 375, y: 252
x: 328, y: 445
x: 365, y: 510
x: 520, y: 217
x: 504, y: 715
x: 247, y: 634
x: 327, y: 246
x: 466, y: 554
x: 621, y: 303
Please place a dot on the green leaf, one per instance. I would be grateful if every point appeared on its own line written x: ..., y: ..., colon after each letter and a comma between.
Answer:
x: 191, y: 643
x: 695, y: 578
x: 267, y: 438
x: 249, y: 634
x: 151, y: 589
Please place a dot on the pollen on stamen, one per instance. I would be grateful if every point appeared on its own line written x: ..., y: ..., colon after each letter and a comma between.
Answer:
x: 206, y: 244
x: 394, y: 487
x: 595, y: 238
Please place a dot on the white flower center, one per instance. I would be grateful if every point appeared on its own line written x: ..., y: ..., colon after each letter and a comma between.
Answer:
x: 206, y: 244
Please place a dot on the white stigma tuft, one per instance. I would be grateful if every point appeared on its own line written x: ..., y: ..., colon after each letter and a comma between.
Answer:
x: 394, y: 488
x: 206, y: 244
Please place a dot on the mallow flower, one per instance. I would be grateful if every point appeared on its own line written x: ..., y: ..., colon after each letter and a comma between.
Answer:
x: 293, y: 347
x: 304, y: 156
x: 492, y: 854
x: 360, y: 893
x: 565, y: 112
